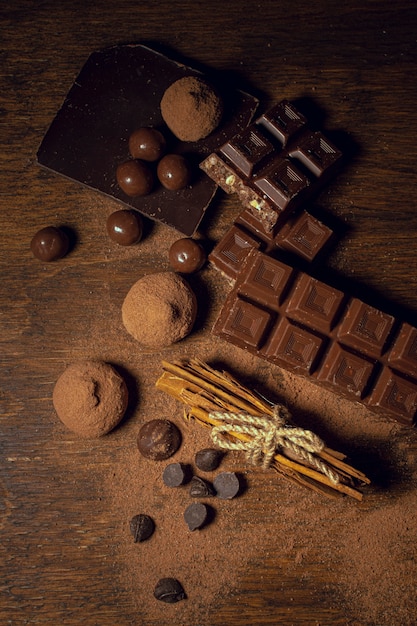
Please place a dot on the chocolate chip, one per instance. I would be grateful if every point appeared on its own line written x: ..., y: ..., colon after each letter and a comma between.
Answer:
x: 174, y: 475
x: 208, y: 459
x: 169, y: 590
x: 200, y: 488
x: 227, y: 485
x: 141, y: 527
x: 196, y: 515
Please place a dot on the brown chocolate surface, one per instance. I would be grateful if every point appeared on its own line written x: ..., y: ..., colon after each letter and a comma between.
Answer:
x: 310, y: 328
x: 118, y: 91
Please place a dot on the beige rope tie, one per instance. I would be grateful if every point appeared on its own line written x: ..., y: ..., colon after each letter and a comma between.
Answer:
x: 267, y: 434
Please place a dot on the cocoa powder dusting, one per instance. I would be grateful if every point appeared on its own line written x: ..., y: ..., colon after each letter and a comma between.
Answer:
x: 357, y: 561
x: 357, y: 542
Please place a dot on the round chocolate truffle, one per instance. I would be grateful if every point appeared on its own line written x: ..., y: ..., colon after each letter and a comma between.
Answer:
x: 125, y: 227
x: 49, y: 244
x: 158, y: 439
x: 90, y: 398
x: 174, y: 172
x: 147, y: 144
x: 134, y: 178
x: 159, y: 309
x: 191, y: 108
x: 187, y: 255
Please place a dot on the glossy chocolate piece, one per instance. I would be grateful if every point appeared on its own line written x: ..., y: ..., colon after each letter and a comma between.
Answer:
x: 312, y: 329
x: 118, y: 91
x: 134, y: 178
x: 148, y: 144
x: 275, y: 165
x: 158, y: 439
x: 302, y: 235
x: 187, y: 255
x: 49, y: 244
x: 174, y: 172
x: 125, y: 227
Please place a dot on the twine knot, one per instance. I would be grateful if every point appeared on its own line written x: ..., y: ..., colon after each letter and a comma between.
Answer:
x: 263, y: 435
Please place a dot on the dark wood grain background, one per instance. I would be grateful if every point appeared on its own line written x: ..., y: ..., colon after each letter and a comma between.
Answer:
x: 357, y: 63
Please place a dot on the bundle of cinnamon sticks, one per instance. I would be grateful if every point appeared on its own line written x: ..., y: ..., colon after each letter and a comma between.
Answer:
x: 207, y: 393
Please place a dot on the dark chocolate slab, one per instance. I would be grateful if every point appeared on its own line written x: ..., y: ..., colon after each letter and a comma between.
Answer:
x: 117, y: 91
x: 305, y: 326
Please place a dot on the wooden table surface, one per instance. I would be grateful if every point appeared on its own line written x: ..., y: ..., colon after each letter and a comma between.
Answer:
x: 357, y: 62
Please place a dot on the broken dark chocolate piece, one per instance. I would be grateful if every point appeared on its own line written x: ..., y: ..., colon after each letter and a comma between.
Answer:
x: 118, y: 91
x: 169, y: 590
x: 310, y: 328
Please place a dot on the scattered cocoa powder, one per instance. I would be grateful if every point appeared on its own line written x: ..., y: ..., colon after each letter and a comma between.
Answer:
x: 356, y: 561
x: 90, y: 398
x: 191, y: 108
x: 159, y: 309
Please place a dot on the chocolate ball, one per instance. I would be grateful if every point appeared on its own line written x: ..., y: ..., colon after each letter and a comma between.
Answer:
x: 49, y: 244
x: 134, y: 178
x: 191, y: 108
x: 125, y: 227
x: 158, y: 439
x: 187, y: 255
x: 147, y: 143
x: 174, y: 172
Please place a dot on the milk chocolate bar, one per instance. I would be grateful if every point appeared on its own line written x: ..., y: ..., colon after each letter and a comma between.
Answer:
x: 313, y: 329
x: 118, y: 91
x: 302, y: 235
x: 275, y: 164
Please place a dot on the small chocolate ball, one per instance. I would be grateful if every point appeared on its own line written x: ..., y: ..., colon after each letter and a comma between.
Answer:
x: 125, y: 227
x: 174, y: 172
x: 134, y: 178
x: 187, y: 255
x: 49, y: 244
x: 147, y: 143
x: 158, y: 439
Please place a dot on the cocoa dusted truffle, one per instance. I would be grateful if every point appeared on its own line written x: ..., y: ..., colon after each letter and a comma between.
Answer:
x: 191, y: 108
x: 160, y: 309
x: 90, y: 398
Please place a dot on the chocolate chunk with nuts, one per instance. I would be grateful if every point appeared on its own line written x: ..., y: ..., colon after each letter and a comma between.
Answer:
x: 142, y: 527
x: 196, y: 515
x: 208, y: 459
x: 169, y: 590
x: 227, y: 485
